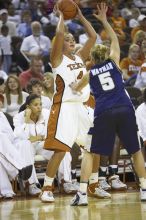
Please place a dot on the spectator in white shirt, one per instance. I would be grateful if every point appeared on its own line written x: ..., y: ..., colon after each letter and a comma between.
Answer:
x: 2, y: 73
x: 5, y: 45
x: 4, y: 21
x: 13, y: 16
x: 35, y: 86
x: 35, y: 44
x: 141, y: 120
x: 14, y: 97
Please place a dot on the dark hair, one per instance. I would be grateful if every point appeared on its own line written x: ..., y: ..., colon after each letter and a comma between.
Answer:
x: 28, y: 101
x: 32, y: 83
x: 4, y: 28
x: 144, y: 95
x: 1, y: 81
x: 2, y: 98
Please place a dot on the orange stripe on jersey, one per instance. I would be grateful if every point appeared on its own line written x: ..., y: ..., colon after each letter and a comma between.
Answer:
x: 143, y: 69
x: 51, y: 143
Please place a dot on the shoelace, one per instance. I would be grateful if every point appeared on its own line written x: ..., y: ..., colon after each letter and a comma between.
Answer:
x: 105, y: 183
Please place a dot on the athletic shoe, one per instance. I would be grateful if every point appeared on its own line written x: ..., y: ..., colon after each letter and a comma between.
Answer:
x: 116, y: 183
x: 80, y: 199
x: 34, y: 190
x: 9, y: 196
x: 103, y: 183
x: 94, y: 190
x: 69, y: 188
x: 47, y: 194
x: 143, y: 194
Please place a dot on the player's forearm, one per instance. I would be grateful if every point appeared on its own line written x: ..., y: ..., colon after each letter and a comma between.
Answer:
x: 60, y: 27
x: 83, y: 82
x: 109, y: 30
x: 88, y: 28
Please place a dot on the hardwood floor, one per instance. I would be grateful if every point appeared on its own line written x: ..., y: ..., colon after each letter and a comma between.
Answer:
x: 122, y: 206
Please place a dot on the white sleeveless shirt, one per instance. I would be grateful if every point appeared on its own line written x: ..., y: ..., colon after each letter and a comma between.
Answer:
x: 67, y: 72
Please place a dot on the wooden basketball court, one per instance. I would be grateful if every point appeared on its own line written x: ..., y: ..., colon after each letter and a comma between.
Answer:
x: 122, y: 206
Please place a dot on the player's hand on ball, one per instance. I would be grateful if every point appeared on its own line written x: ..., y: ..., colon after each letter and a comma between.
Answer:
x: 57, y: 11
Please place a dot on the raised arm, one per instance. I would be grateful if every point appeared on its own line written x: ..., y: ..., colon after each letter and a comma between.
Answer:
x: 114, y: 48
x: 85, y: 50
x: 57, y: 45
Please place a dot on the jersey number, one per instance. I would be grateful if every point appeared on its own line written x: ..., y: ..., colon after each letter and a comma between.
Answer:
x: 106, y: 81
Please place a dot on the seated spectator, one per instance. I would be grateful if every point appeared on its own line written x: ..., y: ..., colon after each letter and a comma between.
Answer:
x: 12, y: 162
x: 140, y: 82
x: 24, y: 28
x: 142, y: 25
x: 131, y: 65
x: 133, y: 21
x: 5, y: 44
x: 141, y: 120
x: 2, y: 73
x: 48, y: 85
x: 36, y: 87
x: 35, y: 71
x: 139, y: 37
x: 31, y: 129
x: 13, y: 16
x: 14, y: 97
x: 120, y: 34
x: 4, y: 21
x: 118, y: 21
x: 35, y: 44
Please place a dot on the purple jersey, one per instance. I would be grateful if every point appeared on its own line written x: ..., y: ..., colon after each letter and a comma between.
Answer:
x: 107, y: 86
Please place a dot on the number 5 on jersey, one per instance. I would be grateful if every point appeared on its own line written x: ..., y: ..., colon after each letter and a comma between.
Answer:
x: 106, y: 81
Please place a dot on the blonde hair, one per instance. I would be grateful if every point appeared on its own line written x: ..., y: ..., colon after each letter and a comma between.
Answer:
x: 139, y: 34
x: 132, y: 46
x: 99, y: 53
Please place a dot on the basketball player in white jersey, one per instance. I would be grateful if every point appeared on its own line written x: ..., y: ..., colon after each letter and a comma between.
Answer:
x: 69, y: 121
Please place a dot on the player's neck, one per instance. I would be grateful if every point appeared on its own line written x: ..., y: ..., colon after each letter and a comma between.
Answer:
x: 71, y: 56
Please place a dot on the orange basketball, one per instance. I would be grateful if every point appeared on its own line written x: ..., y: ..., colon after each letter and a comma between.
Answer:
x: 68, y: 8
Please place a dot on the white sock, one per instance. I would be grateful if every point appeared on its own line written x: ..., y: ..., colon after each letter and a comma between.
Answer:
x: 113, y: 166
x: 93, y: 178
x: 48, y: 181
x: 142, y: 181
x: 104, y: 169
x: 83, y: 187
x: 145, y: 164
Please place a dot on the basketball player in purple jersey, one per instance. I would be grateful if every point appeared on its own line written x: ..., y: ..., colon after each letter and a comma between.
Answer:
x: 113, y: 114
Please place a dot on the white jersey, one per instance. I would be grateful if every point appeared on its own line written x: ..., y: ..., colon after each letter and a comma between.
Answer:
x: 67, y: 72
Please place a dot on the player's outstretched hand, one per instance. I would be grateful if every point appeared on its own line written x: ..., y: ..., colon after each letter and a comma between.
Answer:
x: 101, y: 12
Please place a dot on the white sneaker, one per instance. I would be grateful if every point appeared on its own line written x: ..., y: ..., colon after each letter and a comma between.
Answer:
x: 103, y: 183
x: 34, y: 190
x: 47, y: 196
x: 116, y: 183
x: 95, y: 191
x: 143, y: 194
x: 69, y: 188
x: 9, y: 196
x: 79, y: 200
